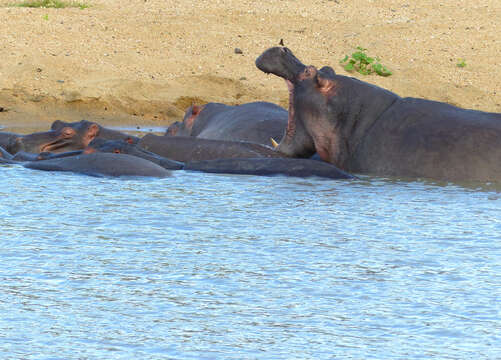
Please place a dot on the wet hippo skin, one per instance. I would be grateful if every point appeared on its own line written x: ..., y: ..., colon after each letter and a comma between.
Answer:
x: 123, y: 147
x: 269, y: 167
x: 102, y: 164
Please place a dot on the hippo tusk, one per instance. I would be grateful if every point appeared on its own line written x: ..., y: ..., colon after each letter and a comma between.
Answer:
x: 273, y: 142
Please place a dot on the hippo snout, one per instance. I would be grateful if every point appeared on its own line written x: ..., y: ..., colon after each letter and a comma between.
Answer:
x: 280, y: 61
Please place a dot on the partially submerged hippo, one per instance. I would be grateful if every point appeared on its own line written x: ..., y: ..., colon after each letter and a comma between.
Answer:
x: 253, y: 122
x: 184, y: 149
x: 93, y: 130
x: 62, y: 137
x: 123, y: 147
x: 362, y: 128
x: 102, y: 164
x: 60, y: 140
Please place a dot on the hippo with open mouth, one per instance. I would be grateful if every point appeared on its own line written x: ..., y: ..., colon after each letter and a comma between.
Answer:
x: 362, y: 128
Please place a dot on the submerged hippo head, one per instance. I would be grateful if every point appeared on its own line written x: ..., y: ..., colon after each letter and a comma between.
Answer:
x: 124, y: 147
x: 90, y: 130
x: 61, y: 140
x: 185, y: 128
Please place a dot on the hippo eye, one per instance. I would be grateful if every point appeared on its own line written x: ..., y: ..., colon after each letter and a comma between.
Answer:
x: 116, y: 151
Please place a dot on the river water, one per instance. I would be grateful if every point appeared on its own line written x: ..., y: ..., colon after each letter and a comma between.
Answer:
x: 203, y: 266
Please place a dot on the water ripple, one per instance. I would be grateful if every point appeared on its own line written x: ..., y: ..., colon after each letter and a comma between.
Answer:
x: 202, y: 266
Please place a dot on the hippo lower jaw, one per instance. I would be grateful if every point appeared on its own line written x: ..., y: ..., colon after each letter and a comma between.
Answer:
x: 283, y: 147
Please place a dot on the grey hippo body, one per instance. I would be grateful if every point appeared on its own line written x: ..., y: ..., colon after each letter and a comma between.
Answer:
x: 123, y: 147
x: 255, y: 122
x: 362, y: 128
x: 102, y: 164
x: 262, y: 166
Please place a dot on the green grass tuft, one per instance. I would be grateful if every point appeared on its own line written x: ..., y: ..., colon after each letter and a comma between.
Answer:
x: 55, y: 4
x: 364, y: 64
x: 461, y: 63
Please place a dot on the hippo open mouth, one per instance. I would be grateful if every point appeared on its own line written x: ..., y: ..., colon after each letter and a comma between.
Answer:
x: 64, y: 139
x: 281, y: 62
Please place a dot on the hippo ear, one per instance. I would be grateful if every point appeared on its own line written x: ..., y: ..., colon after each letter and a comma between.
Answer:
x: 195, y: 110
x: 91, y: 133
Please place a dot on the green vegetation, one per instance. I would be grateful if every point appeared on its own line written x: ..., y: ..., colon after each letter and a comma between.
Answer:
x: 461, y: 63
x: 45, y: 17
x: 364, y: 64
x: 56, y: 4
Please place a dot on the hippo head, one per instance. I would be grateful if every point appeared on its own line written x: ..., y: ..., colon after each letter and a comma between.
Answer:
x: 63, y: 139
x: 312, y: 103
x: 185, y: 128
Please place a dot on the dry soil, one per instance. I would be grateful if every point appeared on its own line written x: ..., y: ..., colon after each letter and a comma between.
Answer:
x: 142, y: 62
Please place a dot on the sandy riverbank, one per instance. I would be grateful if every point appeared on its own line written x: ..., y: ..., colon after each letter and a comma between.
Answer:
x: 141, y: 63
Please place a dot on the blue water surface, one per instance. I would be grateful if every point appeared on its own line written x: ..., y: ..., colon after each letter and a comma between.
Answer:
x: 201, y: 266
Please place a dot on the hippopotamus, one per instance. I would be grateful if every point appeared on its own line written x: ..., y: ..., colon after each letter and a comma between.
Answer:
x: 269, y: 167
x: 192, y: 149
x: 123, y: 147
x: 255, y: 122
x: 102, y: 164
x: 62, y: 137
x: 246, y: 166
x: 362, y: 128
x: 94, y: 130
x: 60, y: 140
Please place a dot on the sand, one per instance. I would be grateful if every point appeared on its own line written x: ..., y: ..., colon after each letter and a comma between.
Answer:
x: 140, y: 63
